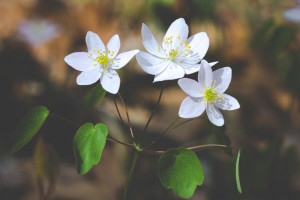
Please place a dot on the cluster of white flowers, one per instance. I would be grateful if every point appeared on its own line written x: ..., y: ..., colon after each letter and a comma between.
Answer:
x: 176, y: 56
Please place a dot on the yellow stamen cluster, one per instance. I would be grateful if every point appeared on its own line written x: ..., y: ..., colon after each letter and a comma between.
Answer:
x: 172, y: 53
x: 211, y: 95
x: 102, y: 57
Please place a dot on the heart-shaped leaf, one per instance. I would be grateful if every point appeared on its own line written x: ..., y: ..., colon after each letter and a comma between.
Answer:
x: 88, y: 145
x: 29, y: 126
x: 180, y: 170
x: 237, y: 174
x: 94, y: 96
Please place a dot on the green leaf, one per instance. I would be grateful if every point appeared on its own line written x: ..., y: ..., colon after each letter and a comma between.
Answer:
x: 88, y: 145
x: 29, y: 126
x: 237, y: 174
x: 94, y: 96
x: 46, y: 162
x: 180, y: 170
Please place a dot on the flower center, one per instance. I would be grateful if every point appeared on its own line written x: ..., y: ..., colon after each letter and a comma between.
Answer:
x: 173, y: 47
x: 173, y: 53
x: 211, y: 95
x: 102, y: 59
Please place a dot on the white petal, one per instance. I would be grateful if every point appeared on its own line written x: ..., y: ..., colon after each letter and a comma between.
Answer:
x: 172, y: 71
x: 293, y: 14
x: 205, y: 74
x: 113, y: 46
x: 213, y: 63
x: 191, y: 87
x: 123, y: 58
x: 89, y: 77
x: 199, y: 44
x: 192, y: 68
x: 214, y: 115
x: 177, y: 28
x: 110, y: 81
x: 79, y: 61
x: 93, y: 42
x: 223, y: 78
x: 151, y: 64
x: 191, y: 108
x: 228, y: 103
x: 150, y: 42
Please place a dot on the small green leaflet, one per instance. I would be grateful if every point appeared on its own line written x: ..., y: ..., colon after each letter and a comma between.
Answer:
x: 94, y: 96
x: 29, y: 126
x: 88, y: 145
x: 180, y: 170
x: 237, y: 174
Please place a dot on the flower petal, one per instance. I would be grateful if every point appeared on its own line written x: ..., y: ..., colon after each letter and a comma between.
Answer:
x: 151, y: 64
x: 223, y: 78
x: 79, y: 61
x: 89, y: 77
x: 150, y: 42
x: 172, y: 71
x: 192, y: 68
x: 123, y: 58
x: 214, y: 115
x: 191, y: 108
x: 110, y: 81
x: 205, y: 74
x: 113, y: 46
x: 199, y: 44
x: 228, y: 103
x: 178, y: 31
x: 191, y: 87
x: 93, y: 42
x: 293, y: 14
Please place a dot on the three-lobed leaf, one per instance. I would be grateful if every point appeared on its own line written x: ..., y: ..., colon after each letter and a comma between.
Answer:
x: 29, y: 126
x: 180, y: 170
x: 94, y: 96
x: 88, y: 145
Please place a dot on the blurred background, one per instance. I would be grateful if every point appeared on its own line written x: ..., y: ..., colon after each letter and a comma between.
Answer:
x: 251, y: 36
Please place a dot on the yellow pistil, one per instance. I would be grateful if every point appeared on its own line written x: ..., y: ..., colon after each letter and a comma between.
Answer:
x: 103, y: 59
x: 211, y: 95
x: 172, y: 54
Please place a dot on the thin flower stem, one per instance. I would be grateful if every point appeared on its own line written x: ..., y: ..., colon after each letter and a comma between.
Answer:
x: 128, y: 119
x: 135, y: 158
x: 78, y: 125
x: 117, y: 108
x: 152, y: 114
x: 169, y: 129
x: 191, y: 148
x: 161, y: 135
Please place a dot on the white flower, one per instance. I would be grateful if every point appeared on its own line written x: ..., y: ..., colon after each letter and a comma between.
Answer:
x: 38, y: 31
x: 293, y: 14
x: 176, y: 56
x: 100, y: 62
x: 207, y: 94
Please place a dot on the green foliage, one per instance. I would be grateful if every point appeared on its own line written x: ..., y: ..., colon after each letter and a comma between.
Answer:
x: 94, y: 96
x: 29, y: 126
x: 237, y: 174
x: 180, y: 170
x: 46, y: 162
x: 88, y: 145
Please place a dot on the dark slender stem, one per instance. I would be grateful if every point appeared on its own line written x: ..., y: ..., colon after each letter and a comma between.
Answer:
x: 64, y: 119
x: 191, y: 148
x: 117, y: 108
x: 169, y: 129
x: 128, y: 119
x: 161, y: 135
x: 135, y: 158
x: 78, y: 125
x: 152, y: 114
